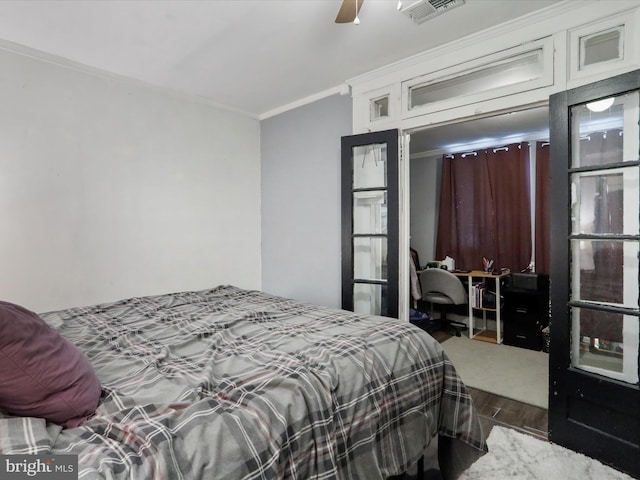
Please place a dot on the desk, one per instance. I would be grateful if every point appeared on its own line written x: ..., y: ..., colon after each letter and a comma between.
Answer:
x: 494, y: 336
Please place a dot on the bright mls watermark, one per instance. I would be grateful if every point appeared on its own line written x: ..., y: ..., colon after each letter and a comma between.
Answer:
x: 50, y: 467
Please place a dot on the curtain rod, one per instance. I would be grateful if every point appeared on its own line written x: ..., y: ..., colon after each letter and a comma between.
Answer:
x: 475, y: 152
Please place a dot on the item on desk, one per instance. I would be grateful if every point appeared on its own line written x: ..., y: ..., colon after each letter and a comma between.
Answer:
x: 487, y: 264
x: 449, y: 262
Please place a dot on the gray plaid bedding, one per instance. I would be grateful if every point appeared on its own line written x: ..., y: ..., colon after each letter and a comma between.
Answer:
x: 231, y: 384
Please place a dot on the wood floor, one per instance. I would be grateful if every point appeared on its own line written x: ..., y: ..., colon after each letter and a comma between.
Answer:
x: 496, y: 410
x: 493, y: 410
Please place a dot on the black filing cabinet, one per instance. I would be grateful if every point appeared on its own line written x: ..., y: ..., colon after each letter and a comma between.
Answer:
x: 526, y: 310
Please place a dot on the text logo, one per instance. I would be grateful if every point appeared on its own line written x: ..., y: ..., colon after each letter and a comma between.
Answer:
x: 49, y: 467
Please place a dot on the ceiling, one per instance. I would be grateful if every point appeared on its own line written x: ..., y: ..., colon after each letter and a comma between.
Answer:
x: 493, y: 131
x: 253, y: 56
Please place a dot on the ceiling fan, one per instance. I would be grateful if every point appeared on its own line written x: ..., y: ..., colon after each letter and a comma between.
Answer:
x: 349, y: 11
x: 418, y: 10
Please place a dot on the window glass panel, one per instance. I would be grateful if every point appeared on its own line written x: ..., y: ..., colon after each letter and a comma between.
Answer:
x: 601, y: 199
x: 600, y: 339
x: 605, y: 343
x: 379, y: 108
x: 605, y: 271
x: 604, y: 131
x: 370, y: 258
x: 370, y: 211
x: 514, y: 70
x: 370, y: 166
x: 600, y: 148
x: 601, y: 47
x: 370, y: 299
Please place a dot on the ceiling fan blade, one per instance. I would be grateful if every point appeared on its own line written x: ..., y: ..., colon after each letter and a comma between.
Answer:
x: 347, y: 12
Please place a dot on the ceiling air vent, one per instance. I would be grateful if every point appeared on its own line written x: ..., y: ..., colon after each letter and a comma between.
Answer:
x: 422, y: 10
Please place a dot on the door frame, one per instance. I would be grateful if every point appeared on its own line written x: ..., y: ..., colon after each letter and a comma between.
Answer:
x: 404, y: 226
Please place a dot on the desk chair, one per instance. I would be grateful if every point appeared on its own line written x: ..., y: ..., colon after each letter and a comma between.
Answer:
x: 443, y: 288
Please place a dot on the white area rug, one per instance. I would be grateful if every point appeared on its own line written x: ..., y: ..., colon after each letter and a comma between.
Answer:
x: 516, y: 456
x: 511, y: 372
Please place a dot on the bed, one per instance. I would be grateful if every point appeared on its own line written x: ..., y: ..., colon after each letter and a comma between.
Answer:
x: 227, y: 383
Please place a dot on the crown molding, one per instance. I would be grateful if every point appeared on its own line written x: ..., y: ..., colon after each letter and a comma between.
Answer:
x: 342, y: 89
x: 28, y: 52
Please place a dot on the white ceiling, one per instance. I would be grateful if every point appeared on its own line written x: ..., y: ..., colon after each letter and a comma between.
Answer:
x: 493, y: 131
x: 254, y: 56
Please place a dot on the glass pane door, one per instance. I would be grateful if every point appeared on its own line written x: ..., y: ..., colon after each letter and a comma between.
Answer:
x: 595, y: 287
x: 370, y: 223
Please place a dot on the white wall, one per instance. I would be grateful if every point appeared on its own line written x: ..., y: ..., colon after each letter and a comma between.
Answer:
x: 301, y: 253
x: 424, y: 181
x: 111, y: 189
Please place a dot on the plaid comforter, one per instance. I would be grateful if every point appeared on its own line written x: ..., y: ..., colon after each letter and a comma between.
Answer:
x: 234, y: 384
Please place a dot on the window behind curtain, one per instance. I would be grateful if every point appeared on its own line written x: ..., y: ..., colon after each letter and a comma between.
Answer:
x: 485, y: 208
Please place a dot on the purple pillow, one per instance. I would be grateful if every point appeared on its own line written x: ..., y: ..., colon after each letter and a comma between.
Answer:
x: 41, y: 373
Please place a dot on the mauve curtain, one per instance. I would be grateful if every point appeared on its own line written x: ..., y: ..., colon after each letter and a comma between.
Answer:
x: 543, y: 239
x: 484, y: 208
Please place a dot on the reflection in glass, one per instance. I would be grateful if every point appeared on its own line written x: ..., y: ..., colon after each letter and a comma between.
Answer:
x: 599, y: 203
x: 369, y: 299
x: 600, y: 148
x: 370, y: 166
x: 605, y: 204
x: 370, y: 211
x: 605, y: 271
x: 599, y: 136
x: 370, y: 258
x: 601, y: 342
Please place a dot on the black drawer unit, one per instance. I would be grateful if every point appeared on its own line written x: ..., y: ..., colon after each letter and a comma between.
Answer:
x: 526, y: 312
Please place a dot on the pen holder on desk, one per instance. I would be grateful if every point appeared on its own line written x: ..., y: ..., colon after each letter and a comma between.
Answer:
x: 487, y: 265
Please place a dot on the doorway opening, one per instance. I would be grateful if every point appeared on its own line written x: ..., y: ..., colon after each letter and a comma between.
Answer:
x: 429, y: 145
x: 528, y: 127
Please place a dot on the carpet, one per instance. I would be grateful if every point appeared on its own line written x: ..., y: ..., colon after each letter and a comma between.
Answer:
x: 511, y: 372
x: 516, y: 456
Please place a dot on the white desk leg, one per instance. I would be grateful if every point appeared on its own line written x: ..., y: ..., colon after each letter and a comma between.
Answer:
x: 498, y: 308
x: 470, y: 283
